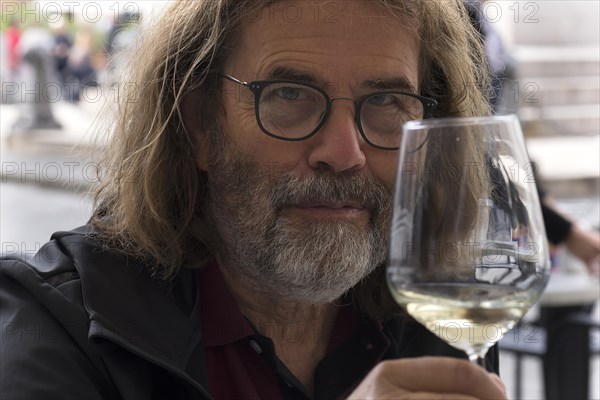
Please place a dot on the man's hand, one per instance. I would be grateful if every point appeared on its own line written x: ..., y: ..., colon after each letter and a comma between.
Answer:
x: 429, y: 378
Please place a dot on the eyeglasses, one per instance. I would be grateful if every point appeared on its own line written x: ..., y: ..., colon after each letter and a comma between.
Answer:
x: 294, y: 111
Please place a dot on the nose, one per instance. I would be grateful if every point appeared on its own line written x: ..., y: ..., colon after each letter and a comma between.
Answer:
x: 338, y: 145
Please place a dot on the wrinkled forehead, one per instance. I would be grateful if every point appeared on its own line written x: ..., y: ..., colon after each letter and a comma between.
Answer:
x: 302, y: 30
x: 346, y: 15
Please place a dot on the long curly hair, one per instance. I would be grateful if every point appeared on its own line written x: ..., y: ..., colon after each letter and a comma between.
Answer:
x: 150, y: 197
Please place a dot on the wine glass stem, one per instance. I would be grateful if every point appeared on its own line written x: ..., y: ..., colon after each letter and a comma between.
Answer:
x: 477, y: 359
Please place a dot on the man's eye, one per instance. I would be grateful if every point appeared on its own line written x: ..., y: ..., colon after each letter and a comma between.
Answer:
x: 381, y: 99
x: 290, y: 93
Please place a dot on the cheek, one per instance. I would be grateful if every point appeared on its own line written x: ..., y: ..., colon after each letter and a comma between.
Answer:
x: 245, y: 137
x: 384, y: 166
x: 240, y: 125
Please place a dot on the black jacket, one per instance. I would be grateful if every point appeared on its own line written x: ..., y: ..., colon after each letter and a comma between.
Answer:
x: 80, y: 322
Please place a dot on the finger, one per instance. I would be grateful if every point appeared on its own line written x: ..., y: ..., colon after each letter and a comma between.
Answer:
x: 432, y: 396
x: 442, y: 375
x: 498, y: 381
x: 377, y: 389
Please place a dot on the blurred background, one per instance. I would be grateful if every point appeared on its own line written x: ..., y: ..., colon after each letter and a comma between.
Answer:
x: 59, y: 63
x: 55, y: 78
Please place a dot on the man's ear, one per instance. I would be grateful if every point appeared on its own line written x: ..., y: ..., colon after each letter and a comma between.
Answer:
x: 192, y: 124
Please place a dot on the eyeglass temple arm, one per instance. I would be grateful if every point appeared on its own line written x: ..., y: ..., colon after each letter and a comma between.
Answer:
x: 233, y: 79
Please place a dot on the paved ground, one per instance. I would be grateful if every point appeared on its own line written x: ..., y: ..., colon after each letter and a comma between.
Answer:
x: 31, y: 213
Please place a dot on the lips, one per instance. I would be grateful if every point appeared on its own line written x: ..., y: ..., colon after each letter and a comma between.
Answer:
x: 324, y: 210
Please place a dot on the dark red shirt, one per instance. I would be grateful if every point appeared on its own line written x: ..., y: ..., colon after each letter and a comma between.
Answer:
x: 242, y: 363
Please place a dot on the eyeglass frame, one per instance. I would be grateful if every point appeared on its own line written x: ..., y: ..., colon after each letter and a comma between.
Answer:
x: 257, y: 87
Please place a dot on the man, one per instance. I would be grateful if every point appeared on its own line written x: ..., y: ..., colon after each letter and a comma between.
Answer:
x: 240, y: 236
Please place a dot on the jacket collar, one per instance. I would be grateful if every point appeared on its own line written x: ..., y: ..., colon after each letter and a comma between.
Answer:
x: 128, y: 307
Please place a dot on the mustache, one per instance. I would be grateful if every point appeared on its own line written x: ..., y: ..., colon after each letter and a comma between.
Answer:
x: 326, y: 186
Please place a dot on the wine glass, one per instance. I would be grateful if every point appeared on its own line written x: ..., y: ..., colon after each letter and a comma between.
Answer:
x: 468, y: 251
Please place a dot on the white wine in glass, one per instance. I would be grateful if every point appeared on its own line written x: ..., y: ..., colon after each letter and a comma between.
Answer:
x: 468, y: 251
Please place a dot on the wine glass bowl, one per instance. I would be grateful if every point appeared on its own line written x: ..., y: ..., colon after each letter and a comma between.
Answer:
x: 468, y: 251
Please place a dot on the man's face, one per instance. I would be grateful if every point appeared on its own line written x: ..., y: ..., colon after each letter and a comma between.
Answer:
x: 308, y: 220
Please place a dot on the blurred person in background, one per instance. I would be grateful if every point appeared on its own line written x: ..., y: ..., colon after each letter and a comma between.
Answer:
x: 63, y: 42
x: 561, y: 230
x: 122, y: 32
x: 80, y: 71
x: 121, y: 35
x: 12, y: 40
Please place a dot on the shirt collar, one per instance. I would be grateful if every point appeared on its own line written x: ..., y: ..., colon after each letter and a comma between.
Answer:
x: 222, y: 319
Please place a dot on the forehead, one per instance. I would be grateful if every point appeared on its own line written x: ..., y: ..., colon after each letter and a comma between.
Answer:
x: 346, y: 39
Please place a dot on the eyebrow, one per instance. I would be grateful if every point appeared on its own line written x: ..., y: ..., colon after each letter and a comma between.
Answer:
x: 290, y: 74
x: 398, y: 82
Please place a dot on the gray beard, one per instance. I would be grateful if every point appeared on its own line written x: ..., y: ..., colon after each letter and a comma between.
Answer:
x: 309, y: 261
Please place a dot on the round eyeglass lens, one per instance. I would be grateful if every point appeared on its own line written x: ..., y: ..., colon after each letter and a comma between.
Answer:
x: 291, y: 110
x: 383, y: 114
